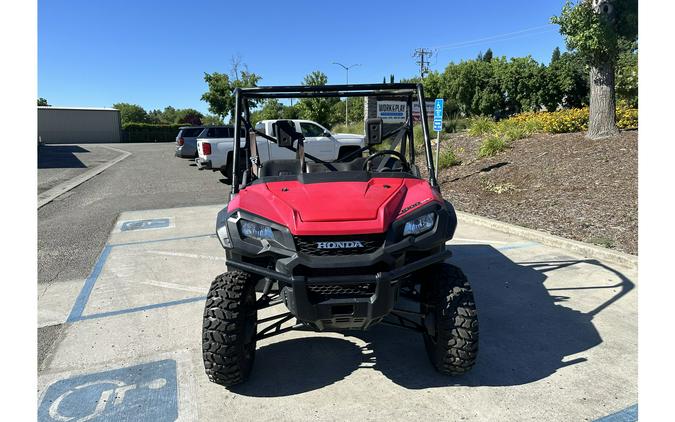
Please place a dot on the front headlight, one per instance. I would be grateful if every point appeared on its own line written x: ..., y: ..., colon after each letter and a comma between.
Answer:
x: 255, y: 230
x: 420, y: 224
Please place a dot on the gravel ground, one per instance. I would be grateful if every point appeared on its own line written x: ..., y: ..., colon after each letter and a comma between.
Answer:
x: 563, y: 184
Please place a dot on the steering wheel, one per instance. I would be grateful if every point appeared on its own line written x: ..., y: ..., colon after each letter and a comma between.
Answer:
x: 404, y: 163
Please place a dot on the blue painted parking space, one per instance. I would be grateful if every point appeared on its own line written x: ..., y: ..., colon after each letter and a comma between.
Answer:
x: 77, y: 312
x: 146, y: 392
x: 155, y: 223
x: 629, y: 414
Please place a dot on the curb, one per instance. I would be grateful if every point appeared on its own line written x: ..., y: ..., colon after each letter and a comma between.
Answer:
x: 574, y: 246
x: 49, y: 195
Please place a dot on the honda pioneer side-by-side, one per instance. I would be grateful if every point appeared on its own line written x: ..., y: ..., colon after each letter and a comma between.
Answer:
x: 342, y: 244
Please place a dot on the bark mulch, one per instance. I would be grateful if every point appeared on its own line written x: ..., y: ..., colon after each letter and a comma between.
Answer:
x: 562, y: 184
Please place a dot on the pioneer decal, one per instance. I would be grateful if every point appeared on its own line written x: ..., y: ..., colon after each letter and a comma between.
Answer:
x: 413, y: 206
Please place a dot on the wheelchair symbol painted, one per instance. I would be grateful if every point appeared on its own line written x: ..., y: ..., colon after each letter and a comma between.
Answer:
x: 116, y: 393
x: 141, y: 392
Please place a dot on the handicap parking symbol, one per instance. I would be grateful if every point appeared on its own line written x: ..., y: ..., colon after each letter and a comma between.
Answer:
x: 146, y: 392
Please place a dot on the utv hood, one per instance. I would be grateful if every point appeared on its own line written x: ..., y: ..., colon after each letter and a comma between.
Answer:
x: 334, y: 207
x: 337, y: 201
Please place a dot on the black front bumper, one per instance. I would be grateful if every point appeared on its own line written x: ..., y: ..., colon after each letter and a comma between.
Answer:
x: 342, y: 312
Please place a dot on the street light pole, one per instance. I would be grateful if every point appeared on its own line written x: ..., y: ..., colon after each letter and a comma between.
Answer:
x: 346, y: 98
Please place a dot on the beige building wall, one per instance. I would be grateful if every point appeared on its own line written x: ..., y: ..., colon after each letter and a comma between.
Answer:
x: 61, y: 125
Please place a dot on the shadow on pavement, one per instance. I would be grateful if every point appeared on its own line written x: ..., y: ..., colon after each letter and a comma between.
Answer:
x: 299, y: 365
x: 525, y: 335
x: 57, y: 156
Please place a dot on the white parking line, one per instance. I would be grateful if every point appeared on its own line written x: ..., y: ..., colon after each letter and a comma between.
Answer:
x: 174, y: 286
x: 187, y: 255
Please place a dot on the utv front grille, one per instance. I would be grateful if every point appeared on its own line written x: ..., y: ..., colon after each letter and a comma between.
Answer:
x: 338, y: 245
x: 322, y: 292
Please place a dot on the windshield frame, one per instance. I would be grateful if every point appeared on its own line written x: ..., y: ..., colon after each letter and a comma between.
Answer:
x: 409, y: 92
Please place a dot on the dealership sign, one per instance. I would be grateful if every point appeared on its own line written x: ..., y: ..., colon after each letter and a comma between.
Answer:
x: 391, y: 111
x: 416, y: 109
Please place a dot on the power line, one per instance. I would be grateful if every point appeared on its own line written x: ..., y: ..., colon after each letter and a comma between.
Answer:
x: 495, y: 40
x: 492, y: 37
x: 424, y: 64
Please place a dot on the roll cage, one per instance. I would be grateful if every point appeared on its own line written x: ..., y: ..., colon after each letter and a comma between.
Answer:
x: 243, y: 96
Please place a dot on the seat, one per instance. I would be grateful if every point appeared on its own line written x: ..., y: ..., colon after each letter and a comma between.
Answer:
x: 354, y: 165
x: 275, y: 168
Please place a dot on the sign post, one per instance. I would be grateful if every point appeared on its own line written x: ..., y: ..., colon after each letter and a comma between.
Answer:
x: 438, y: 126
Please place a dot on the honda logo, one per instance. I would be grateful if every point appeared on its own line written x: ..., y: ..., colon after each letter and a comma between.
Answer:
x: 340, y: 245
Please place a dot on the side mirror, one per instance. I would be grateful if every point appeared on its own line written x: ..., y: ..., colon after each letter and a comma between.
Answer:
x: 286, y: 133
x: 374, y: 131
x: 326, y: 133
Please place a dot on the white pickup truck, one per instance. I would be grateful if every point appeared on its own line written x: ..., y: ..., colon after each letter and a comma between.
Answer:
x: 216, y: 154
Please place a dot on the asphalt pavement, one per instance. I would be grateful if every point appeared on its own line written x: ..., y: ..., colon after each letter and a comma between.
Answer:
x: 73, y: 228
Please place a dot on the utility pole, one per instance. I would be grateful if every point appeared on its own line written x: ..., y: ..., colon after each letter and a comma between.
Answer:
x: 424, y: 64
x: 347, y: 98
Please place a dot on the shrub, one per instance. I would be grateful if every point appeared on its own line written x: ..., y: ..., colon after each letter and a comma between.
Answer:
x: 492, y: 145
x: 455, y: 125
x: 571, y: 120
x: 448, y: 159
x: 481, y: 125
x: 149, y: 132
x: 626, y: 118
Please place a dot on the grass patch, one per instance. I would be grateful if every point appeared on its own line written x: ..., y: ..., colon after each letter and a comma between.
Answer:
x: 356, y: 127
x: 448, y: 159
x: 481, y: 125
x: 492, y: 145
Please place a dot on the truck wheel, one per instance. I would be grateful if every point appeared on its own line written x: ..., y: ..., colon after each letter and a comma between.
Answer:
x: 230, y: 327
x: 451, y: 319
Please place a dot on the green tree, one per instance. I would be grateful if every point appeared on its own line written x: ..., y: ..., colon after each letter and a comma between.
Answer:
x: 291, y: 112
x: 212, y: 119
x: 272, y: 109
x: 595, y: 29
x: 473, y: 86
x: 188, y: 115
x: 131, y: 113
x: 487, y: 57
x: 520, y: 82
x: 556, y: 55
x: 565, y: 82
x: 627, y: 74
x: 317, y: 109
x: 42, y: 102
x: 220, y: 94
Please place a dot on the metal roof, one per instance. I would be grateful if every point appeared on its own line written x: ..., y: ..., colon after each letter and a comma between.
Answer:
x: 77, y: 108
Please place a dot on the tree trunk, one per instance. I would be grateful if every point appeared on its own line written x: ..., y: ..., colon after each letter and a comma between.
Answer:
x: 602, y: 119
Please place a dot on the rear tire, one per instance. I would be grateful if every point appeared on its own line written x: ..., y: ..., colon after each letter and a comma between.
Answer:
x: 230, y: 328
x: 451, y: 339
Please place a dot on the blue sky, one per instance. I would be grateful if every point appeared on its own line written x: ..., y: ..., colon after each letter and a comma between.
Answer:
x: 155, y: 53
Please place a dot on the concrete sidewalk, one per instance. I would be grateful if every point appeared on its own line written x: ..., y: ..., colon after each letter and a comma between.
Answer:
x: 558, y: 339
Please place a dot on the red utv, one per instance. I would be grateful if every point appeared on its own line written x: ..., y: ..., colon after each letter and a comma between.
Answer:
x: 338, y: 243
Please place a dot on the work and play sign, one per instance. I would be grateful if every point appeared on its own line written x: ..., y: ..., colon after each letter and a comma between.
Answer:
x: 391, y: 111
